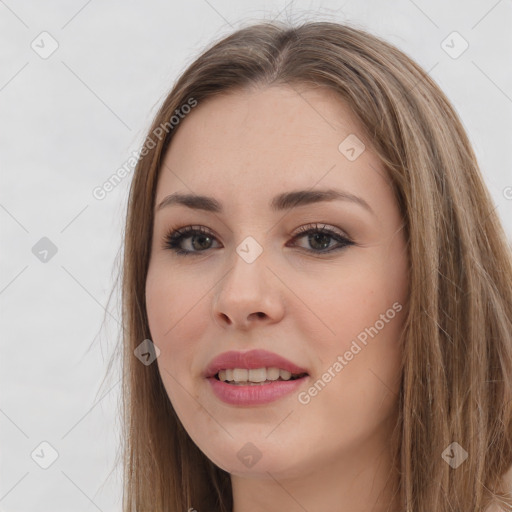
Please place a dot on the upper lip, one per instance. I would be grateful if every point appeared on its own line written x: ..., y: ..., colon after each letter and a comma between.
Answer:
x: 250, y: 360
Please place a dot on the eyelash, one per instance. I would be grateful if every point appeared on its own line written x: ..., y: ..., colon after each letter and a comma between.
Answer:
x: 174, y: 237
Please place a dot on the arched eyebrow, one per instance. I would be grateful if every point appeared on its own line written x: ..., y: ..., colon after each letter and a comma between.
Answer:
x: 284, y: 201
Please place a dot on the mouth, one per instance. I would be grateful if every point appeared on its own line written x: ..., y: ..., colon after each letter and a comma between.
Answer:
x: 253, y: 378
x: 257, y: 381
x: 253, y: 367
x: 256, y: 376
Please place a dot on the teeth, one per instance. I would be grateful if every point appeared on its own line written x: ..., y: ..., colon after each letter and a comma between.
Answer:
x: 257, y: 375
x: 285, y: 374
x: 273, y: 373
x: 240, y: 374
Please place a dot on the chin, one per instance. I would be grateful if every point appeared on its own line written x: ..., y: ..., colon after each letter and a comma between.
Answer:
x: 247, y: 460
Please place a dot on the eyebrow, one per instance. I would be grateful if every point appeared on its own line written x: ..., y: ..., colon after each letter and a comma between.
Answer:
x: 280, y: 202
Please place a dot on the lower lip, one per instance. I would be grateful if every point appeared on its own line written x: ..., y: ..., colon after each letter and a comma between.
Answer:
x: 254, y: 395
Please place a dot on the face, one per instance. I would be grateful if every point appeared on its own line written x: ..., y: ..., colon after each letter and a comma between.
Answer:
x: 320, y: 281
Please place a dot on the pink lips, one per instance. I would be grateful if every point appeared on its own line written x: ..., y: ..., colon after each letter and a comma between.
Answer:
x: 250, y: 360
x: 252, y: 394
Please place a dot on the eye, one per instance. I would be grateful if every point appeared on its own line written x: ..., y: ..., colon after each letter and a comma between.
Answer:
x: 174, y: 239
x: 198, y: 239
x: 320, y: 238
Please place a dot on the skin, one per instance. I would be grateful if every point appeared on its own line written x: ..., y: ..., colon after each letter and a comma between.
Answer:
x: 243, y: 148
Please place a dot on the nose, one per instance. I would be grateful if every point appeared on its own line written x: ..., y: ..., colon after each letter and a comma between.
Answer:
x: 248, y: 295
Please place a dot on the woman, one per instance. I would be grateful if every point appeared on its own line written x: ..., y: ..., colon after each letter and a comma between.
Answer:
x: 312, y: 254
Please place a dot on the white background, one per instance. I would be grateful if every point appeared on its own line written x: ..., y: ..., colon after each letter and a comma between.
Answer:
x: 69, y: 121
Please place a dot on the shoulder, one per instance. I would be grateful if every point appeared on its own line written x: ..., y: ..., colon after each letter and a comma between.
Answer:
x: 507, y: 480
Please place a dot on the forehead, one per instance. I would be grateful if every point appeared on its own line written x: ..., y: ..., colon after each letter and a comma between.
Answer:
x: 260, y: 142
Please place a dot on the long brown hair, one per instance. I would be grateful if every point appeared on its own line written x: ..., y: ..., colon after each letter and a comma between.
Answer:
x: 457, y: 339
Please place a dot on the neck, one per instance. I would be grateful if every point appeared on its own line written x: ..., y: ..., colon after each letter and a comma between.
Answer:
x: 360, y: 481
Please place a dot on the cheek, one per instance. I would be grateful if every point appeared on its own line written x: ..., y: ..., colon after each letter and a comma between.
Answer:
x: 341, y: 306
x: 355, y: 394
x: 359, y: 316
x: 167, y: 313
x: 172, y: 302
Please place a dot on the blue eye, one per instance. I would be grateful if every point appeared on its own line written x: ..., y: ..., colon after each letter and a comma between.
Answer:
x: 199, y: 239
